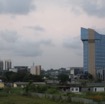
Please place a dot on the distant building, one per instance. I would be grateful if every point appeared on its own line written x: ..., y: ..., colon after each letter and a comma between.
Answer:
x: 75, y: 72
x: 101, y: 74
x: 62, y: 71
x: 7, y: 65
x: 54, y: 73
x: 36, y: 70
x: 13, y: 70
x: 23, y: 69
x: 1, y: 65
x: 2, y: 85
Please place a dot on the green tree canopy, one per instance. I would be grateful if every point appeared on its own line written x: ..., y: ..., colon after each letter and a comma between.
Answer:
x: 63, y: 78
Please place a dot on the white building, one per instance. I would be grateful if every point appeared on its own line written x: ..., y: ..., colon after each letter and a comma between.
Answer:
x: 74, y: 89
x: 13, y: 70
x: 98, y: 89
x: 1, y: 65
x: 7, y: 64
x: 35, y: 70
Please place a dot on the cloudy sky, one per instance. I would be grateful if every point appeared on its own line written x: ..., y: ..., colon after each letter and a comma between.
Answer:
x: 47, y: 32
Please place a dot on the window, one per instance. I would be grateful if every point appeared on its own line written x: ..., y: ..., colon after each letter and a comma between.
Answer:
x: 95, y: 89
x: 88, y: 89
x: 72, y: 89
x: 76, y: 89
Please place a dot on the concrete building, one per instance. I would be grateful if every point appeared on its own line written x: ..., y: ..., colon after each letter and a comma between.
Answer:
x: 1, y: 65
x: 96, y: 87
x: 36, y: 70
x: 101, y: 74
x: 7, y: 65
x: 23, y: 69
x: 2, y: 85
x: 13, y: 70
x: 74, y: 89
x: 75, y: 72
x: 93, y: 50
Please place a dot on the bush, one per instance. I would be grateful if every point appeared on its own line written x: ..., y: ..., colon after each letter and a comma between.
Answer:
x: 69, y: 99
x: 52, y: 91
x: 96, y: 98
x: 41, y: 89
x: 71, y: 94
x: 7, y: 90
x: 3, y: 94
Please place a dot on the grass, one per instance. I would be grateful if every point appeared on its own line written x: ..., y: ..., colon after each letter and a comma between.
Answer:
x: 14, y: 96
x: 17, y: 96
x: 17, y: 99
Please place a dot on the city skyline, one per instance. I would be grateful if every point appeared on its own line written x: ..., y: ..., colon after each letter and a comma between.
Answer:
x: 47, y: 32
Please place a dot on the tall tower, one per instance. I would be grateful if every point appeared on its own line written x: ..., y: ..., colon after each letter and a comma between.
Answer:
x: 7, y: 64
x: 36, y: 70
x: 93, y: 50
x: 1, y: 65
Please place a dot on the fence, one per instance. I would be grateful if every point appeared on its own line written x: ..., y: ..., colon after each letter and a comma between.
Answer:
x: 73, y: 99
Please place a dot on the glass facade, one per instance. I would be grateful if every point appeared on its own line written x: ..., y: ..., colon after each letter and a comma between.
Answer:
x: 99, y: 42
x: 84, y: 38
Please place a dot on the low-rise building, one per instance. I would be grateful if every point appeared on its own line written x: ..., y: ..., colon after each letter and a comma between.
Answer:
x: 1, y: 85
x: 23, y: 84
x: 96, y: 87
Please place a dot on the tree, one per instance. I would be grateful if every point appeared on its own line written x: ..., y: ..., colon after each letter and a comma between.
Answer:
x: 29, y: 87
x: 9, y: 76
x: 87, y: 76
x: 90, y: 76
x: 63, y: 78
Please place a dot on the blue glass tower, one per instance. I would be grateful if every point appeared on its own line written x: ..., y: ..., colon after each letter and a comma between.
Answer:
x: 93, y: 50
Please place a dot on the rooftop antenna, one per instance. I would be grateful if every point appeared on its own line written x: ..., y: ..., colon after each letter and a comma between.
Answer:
x: 33, y: 64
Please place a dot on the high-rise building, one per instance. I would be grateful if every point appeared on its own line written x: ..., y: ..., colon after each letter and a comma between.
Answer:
x: 1, y: 65
x: 7, y: 64
x: 36, y: 70
x: 93, y: 50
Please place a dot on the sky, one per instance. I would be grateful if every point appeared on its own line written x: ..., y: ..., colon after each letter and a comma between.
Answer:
x: 47, y: 32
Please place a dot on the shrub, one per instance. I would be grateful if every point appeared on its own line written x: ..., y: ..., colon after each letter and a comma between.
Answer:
x: 96, y: 98
x: 41, y: 89
x: 52, y: 91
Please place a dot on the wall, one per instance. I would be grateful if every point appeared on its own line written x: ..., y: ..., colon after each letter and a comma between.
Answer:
x: 74, y: 89
x: 98, y: 89
x: 73, y: 99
